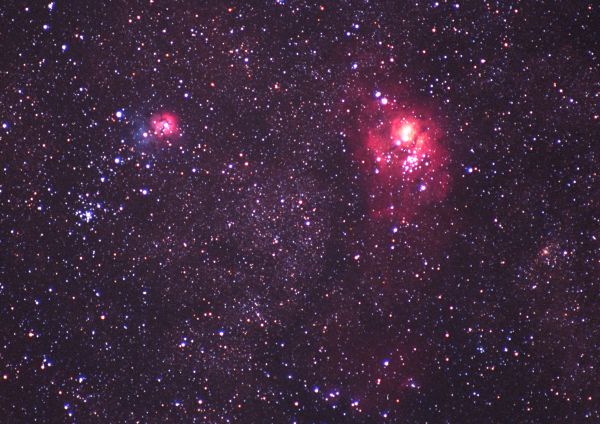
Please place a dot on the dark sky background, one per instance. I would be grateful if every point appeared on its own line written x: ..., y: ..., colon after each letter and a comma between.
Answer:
x: 290, y: 211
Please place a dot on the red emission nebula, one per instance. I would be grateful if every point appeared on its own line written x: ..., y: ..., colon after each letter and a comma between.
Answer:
x: 164, y: 124
x: 405, y: 164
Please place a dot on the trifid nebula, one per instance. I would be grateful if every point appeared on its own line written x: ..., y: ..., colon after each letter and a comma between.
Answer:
x: 354, y: 211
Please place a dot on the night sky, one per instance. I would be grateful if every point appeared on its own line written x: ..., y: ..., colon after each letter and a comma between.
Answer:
x: 299, y: 212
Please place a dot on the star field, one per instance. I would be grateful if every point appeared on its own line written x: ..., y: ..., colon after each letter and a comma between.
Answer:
x: 299, y: 212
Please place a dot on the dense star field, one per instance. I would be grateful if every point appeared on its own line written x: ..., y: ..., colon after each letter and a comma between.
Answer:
x: 299, y: 212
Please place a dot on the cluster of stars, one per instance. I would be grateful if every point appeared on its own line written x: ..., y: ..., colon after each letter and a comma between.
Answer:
x: 381, y: 212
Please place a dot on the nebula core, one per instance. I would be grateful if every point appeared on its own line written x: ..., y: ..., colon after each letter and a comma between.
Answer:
x: 164, y: 125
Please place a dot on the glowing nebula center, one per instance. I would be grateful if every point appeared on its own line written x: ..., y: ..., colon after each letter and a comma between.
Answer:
x: 404, y: 134
x: 164, y: 124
